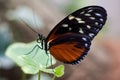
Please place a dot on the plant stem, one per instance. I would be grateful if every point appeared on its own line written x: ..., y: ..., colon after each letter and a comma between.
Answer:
x: 23, y: 76
x: 53, y: 77
x: 39, y: 75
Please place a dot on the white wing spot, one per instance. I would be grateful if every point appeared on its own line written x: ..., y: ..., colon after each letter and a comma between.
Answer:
x: 93, y: 18
x: 91, y: 34
x: 83, y: 38
x: 101, y: 24
x: 96, y: 23
x: 71, y: 17
x: 97, y: 30
x: 78, y: 61
x: 65, y: 25
x: 97, y: 14
x: 87, y: 14
x: 101, y: 19
x: 70, y: 28
x: 88, y: 26
x: 86, y: 45
x: 90, y: 10
x: 81, y: 31
x: 82, y: 12
x: 81, y: 21
x: 78, y: 19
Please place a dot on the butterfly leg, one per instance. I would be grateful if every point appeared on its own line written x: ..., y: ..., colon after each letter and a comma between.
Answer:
x: 36, y: 51
x: 51, y: 63
x: 49, y: 60
x: 36, y: 46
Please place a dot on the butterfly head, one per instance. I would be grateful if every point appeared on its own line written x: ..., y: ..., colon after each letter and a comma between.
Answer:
x: 40, y: 38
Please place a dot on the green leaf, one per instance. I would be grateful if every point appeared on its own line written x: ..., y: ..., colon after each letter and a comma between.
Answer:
x: 30, y: 63
x: 59, y: 71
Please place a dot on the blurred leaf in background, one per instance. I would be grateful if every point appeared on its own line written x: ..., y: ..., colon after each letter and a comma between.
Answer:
x: 5, y: 37
x: 27, y: 14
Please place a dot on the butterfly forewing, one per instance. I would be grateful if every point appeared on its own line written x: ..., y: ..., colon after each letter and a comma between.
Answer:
x: 86, y: 22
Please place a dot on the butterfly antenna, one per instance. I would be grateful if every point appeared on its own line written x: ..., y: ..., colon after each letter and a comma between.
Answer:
x: 29, y: 26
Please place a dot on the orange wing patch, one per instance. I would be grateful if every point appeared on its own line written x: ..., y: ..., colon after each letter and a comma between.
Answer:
x: 68, y: 53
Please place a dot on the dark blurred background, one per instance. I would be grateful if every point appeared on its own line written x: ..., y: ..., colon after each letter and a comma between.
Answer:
x: 102, y: 62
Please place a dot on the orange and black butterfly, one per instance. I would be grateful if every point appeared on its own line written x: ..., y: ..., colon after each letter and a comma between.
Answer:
x: 70, y: 40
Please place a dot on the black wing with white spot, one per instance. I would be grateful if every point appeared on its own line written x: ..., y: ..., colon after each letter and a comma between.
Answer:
x: 86, y: 21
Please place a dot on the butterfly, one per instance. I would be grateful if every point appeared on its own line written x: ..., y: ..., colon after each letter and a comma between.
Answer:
x: 70, y: 40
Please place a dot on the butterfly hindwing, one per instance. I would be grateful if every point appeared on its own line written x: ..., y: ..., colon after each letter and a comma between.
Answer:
x: 70, y: 48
